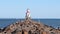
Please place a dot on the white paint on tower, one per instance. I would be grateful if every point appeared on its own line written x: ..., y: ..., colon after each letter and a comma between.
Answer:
x: 28, y: 13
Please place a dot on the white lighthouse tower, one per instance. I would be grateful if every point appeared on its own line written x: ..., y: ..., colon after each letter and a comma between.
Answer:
x: 28, y: 14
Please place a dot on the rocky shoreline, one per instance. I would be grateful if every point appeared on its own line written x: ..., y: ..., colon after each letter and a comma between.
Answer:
x: 29, y: 26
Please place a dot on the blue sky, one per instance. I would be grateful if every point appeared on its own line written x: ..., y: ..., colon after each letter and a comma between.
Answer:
x: 39, y: 8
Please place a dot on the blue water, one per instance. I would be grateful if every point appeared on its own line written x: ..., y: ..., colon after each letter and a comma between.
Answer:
x: 50, y: 22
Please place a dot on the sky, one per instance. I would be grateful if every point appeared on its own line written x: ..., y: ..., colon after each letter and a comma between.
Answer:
x: 38, y: 8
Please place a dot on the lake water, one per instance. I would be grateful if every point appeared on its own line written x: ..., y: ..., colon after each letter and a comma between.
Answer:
x: 51, y: 22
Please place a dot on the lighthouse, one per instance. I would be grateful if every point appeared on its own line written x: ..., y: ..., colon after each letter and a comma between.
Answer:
x: 28, y: 14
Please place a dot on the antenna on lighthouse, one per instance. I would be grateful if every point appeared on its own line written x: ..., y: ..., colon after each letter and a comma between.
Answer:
x: 28, y: 14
